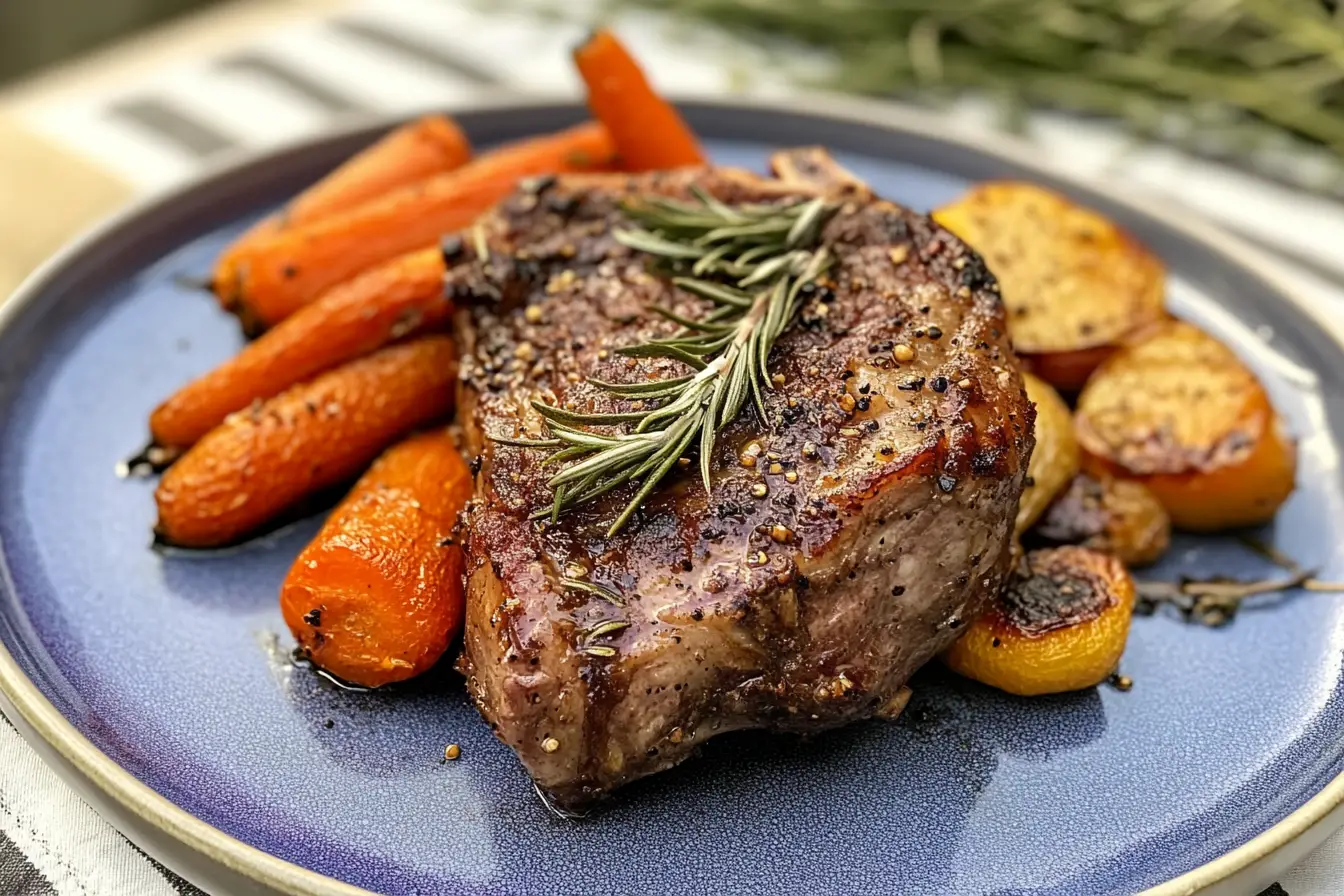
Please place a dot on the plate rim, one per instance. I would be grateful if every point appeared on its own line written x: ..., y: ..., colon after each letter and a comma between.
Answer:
x: 264, y: 868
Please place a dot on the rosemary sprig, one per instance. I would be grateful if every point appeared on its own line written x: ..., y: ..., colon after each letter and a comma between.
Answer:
x: 754, y: 264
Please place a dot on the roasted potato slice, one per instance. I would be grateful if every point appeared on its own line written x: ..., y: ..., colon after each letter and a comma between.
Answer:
x: 1114, y: 516
x: 1075, y: 284
x: 1060, y: 625
x: 1177, y: 411
x: 1055, y: 459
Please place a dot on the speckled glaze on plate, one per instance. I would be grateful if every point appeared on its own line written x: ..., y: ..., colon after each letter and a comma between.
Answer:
x: 171, y: 672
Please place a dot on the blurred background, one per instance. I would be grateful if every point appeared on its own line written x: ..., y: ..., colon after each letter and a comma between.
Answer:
x: 36, y: 33
x: 1232, y: 108
x: 1240, y: 79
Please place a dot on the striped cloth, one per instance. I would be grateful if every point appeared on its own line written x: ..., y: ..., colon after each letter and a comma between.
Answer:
x: 298, y: 68
x: 52, y: 843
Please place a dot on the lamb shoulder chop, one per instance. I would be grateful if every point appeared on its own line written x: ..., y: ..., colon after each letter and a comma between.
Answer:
x: 842, y: 543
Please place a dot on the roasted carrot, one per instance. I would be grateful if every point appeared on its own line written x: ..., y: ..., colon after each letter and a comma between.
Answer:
x: 413, y: 152
x: 264, y: 461
x: 385, y: 303
x: 377, y: 596
x: 648, y: 131
x: 427, y: 146
x: 281, y: 274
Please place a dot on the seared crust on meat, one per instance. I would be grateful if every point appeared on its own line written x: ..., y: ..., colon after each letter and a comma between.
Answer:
x: 892, y: 461
x: 813, y: 166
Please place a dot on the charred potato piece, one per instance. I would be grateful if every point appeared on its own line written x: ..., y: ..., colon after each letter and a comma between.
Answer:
x: 1177, y: 411
x: 1075, y: 284
x: 1114, y: 516
x: 1060, y: 625
x: 1055, y: 459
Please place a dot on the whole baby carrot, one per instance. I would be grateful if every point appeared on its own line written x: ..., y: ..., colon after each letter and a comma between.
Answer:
x: 648, y: 131
x: 264, y: 461
x: 377, y: 596
x: 427, y: 146
x: 401, y: 297
x: 280, y: 275
x: 417, y: 150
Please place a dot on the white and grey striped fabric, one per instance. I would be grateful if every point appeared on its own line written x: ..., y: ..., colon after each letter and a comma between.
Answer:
x: 53, y: 844
x: 379, y: 56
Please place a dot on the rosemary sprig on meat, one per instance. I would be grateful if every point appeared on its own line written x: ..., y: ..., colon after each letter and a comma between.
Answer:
x: 589, y: 637
x: 611, y: 597
x: 754, y: 265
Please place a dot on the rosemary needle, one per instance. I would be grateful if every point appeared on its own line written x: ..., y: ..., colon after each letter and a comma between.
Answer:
x: 750, y: 263
x: 588, y: 638
x: 595, y: 590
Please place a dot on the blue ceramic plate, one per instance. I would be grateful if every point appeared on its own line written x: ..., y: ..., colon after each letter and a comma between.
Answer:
x: 174, y: 668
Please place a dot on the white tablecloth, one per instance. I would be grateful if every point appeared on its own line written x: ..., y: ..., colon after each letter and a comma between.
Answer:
x: 275, y: 84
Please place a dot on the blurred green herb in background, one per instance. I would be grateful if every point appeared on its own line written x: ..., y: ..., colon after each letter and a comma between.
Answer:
x: 1247, y: 79
x: 35, y: 33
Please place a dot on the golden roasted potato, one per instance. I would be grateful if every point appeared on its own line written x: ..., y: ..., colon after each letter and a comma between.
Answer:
x: 1177, y: 411
x: 1061, y: 625
x: 1113, y: 516
x: 1075, y: 285
x: 1056, y: 457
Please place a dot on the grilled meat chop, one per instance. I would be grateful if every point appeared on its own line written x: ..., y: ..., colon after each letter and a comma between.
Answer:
x: 844, y: 542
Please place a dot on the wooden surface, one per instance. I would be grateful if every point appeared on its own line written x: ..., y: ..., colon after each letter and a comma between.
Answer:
x: 50, y: 194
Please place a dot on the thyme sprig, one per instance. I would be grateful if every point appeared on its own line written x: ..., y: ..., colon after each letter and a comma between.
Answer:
x: 754, y: 264
x: 1214, y: 601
